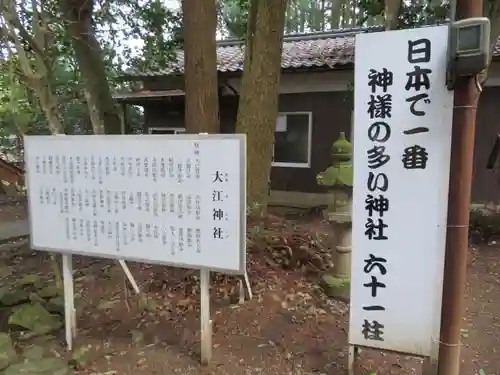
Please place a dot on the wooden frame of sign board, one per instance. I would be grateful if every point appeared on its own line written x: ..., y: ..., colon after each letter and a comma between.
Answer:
x: 102, y: 145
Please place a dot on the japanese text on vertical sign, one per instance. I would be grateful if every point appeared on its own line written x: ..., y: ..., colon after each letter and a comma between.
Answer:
x: 218, y: 197
x: 76, y: 200
x: 397, y: 98
x: 418, y: 81
x: 376, y: 203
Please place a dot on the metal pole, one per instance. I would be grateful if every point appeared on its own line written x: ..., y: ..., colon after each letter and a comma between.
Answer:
x: 462, y: 155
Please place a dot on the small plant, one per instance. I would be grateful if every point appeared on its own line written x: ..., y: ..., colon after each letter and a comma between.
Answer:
x: 484, y: 225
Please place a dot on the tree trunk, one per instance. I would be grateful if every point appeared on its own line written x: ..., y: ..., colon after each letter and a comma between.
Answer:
x: 323, y: 15
x: 103, y: 110
x: 344, y: 15
x: 348, y: 13
x: 290, y: 21
x: 258, y: 104
x: 336, y: 11
x: 392, y: 10
x: 302, y: 20
x: 200, y: 66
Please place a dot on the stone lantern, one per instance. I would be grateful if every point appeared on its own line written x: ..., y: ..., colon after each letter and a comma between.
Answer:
x: 339, y: 178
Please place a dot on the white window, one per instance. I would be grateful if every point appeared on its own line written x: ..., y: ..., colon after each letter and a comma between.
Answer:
x: 292, y: 140
x: 162, y: 130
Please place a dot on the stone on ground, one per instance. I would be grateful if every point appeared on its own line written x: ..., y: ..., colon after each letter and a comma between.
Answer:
x: 7, y: 353
x: 45, y: 366
x: 33, y: 352
x: 35, y: 318
x: 11, y: 297
x: 56, y: 305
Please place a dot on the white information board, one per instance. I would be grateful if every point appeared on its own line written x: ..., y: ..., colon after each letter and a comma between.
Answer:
x: 168, y: 199
x: 402, y: 141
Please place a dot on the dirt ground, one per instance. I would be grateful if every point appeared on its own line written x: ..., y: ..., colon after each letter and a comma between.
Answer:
x: 289, y: 327
x: 12, y: 209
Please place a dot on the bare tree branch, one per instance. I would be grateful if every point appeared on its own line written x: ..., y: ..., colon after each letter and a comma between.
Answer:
x: 38, y: 79
x: 11, y: 18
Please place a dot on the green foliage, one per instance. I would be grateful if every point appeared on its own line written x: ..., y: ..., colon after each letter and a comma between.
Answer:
x: 412, y: 13
x: 155, y: 28
x: 484, y: 225
x: 234, y: 16
x: 16, y: 112
x: 307, y: 15
x: 301, y: 16
x: 158, y: 28
x: 18, y: 115
x: 19, y: 109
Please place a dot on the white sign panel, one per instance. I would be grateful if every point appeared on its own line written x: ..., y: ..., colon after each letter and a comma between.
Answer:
x: 178, y: 200
x: 402, y: 141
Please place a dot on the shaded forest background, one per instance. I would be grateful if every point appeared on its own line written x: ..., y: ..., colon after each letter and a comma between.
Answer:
x: 136, y: 34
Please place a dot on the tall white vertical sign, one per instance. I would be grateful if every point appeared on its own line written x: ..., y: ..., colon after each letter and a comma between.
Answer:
x: 402, y: 138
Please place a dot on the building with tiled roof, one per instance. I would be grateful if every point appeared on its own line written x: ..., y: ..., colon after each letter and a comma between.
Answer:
x: 312, y: 50
x: 315, y: 106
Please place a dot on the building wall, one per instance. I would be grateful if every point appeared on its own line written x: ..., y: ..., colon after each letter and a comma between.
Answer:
x: 166, y: 113
x: 171, y: 114
x: 331, y: 114
x: 326, y: 95
x: 337, y: 80
x: 486, y: 183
